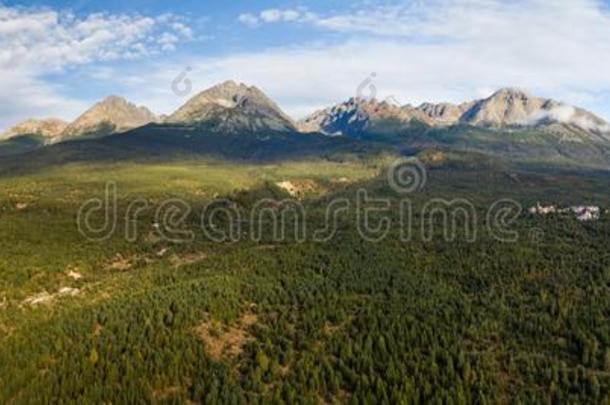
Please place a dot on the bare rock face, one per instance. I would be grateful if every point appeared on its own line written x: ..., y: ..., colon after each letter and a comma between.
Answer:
x: 111, y: 115
x: 445, y: 113
x: 504, y: 107
x: 47, y: 128
x: 230, y: 107
x: 357, y: 115
x: 341, y: 119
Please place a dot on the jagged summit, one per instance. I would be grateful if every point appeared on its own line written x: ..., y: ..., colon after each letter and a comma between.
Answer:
x: 357, y: 115
x: 507, y: 107
x: 112, y: 114
x: 233, y: 107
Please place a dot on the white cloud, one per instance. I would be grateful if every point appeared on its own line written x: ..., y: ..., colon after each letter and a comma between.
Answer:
x: 185, y: 31
x: 452, y: 50
x: 291, y: 15
x: 28, y: 96
x: 562, y: 113
x: 248, y: 19
x: 36, y: 42
x: 304, y: 78
x: 437, y: 50
x: 274, y: 15
x: 58, y: 39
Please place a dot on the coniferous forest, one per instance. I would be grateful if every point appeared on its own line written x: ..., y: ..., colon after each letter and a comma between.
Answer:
x: 305, y: 202
x: 289, y: 321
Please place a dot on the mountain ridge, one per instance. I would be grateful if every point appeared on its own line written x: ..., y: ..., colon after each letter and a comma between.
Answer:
x: 506, y: 108
x: 231, y: 107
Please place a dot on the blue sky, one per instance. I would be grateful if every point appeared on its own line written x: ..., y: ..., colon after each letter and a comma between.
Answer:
x: 59, y: 57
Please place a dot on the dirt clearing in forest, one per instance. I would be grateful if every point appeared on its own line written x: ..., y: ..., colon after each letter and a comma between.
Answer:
x: 226, y: 340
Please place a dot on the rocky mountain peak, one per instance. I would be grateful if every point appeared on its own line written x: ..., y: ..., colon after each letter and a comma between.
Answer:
x: 518, y: 108
x: 349, y: 116
x: 505, y: 107
x: 112, y: 114
x: 233, y: 107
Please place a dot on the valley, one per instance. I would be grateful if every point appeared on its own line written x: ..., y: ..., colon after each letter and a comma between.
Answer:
x: 115, y: 286
x: 306, y: 202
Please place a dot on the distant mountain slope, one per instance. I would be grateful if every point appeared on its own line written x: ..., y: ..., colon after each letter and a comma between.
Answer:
x: 48, y: 129
x: 163, y: 142
x: 231, y: 108
x: 113, y: 114
x: 20, y: 144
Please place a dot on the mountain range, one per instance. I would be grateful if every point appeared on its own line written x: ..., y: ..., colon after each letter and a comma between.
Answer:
x: 509, y: 122
x: 505, y: 109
